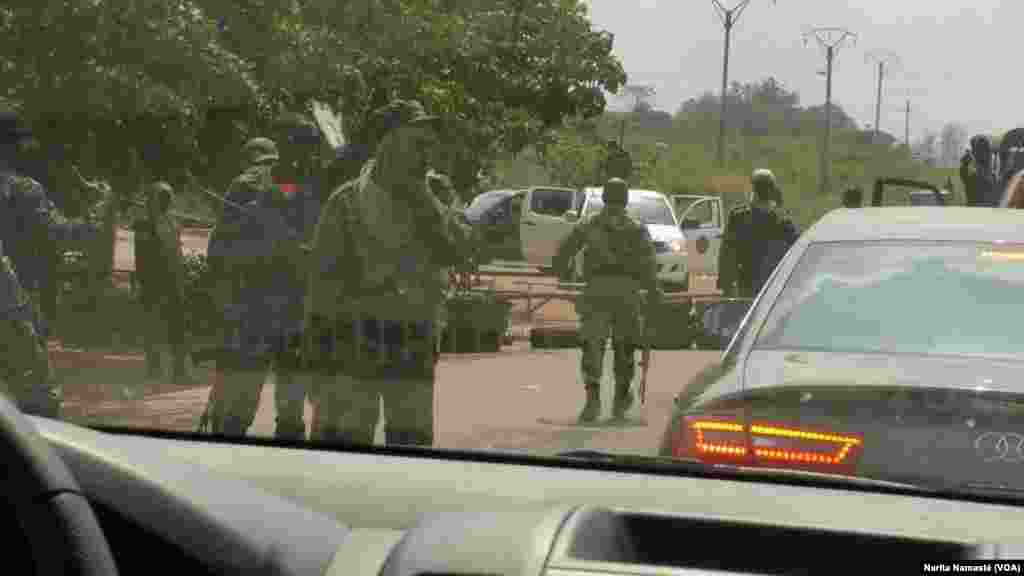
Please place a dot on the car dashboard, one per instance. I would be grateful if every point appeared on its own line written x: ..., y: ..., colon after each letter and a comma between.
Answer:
x: 202, y: 507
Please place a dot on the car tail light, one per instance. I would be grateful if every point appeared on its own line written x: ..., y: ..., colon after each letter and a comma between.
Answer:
x: 729, y: 440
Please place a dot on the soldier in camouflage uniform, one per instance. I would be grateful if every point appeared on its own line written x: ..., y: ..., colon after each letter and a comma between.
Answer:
x: 160, y: 273
x: 617, y: 162
x: 979, y: 180
x: 757, y: 235
x: 257, y: 259
x: 31, y: 231
x: 619, y: 262
x: 375, y: 302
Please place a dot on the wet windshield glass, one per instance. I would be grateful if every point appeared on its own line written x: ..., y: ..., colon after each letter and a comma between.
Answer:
x: 883, y: 297
x: 367, y: 223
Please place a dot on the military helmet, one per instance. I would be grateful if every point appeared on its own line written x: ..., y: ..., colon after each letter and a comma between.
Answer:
x: 763, y: 182
x: 261, y: 150
x: 616, y: 192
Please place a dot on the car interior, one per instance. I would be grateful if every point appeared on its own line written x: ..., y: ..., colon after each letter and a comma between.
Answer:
x: 203, y: 506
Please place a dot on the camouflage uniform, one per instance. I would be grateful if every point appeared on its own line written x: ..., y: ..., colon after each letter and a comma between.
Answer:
x: 617, y: 162
x: 619, y: 262
x: 375, y: 301
x: 32, y: 230
x: 160, y: 271
x: 258, y: 262
x: 757, y: 235
x: 980, y: 183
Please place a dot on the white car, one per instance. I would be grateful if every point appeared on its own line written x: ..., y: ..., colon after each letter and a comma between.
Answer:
x: 655, y: 211
x: 527, y: 225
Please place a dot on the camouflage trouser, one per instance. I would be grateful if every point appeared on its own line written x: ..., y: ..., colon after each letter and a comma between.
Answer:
x: 600, y: 319
x: 165, y: 323
x: 237, y: 395
x: 390, y: 361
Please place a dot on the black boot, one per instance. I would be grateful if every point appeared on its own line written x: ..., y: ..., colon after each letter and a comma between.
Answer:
x: 235, y: 426
x: 592, y: 409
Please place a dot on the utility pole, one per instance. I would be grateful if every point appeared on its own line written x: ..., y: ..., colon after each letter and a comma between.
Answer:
x: 884, y: 59
x: 906, y: 127
x: 831, y: 40
x: 729, y: 17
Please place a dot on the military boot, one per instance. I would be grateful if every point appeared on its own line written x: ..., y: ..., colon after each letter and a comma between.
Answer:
x: 235, y: 425
x: 623, y: 401
x: 290, y: 430
x: 592, y: 409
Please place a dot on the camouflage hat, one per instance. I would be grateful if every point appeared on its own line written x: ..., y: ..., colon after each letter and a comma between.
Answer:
x: 616, y: 192
x: 402, y: 113
x: 11, y: 127
x: 261, y: 150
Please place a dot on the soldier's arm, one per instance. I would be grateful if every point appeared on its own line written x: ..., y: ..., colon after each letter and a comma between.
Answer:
x: 569, y: 248
x: 790, y: 231
x: 649, y: 263
x: 442, y: 229
x: 727, y: 257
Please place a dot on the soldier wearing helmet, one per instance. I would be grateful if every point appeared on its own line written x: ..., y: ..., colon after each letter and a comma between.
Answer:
x: 757, y: 235
x: 620, y: 261
x: 256, y: 256
x: 160, y: 272
x: 978, y: 173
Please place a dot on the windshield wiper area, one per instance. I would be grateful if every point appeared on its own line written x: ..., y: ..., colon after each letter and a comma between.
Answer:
x: 780, y: 474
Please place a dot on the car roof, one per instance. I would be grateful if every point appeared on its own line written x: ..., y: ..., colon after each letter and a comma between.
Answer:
x: 633, y: 193
x: 918, y: 223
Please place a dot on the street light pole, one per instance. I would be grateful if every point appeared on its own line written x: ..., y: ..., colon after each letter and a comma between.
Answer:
x: 729, y: 17
x: 831, y: 39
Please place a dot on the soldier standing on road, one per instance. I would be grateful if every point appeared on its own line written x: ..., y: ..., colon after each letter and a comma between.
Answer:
x: 31, y: 230
x: 980, y: 182
x: 757, y: 235
x: 259, y: 265
x: 375, y: 302
x: 160, y: 273
x: 617, y: 162
x: 620, y: 261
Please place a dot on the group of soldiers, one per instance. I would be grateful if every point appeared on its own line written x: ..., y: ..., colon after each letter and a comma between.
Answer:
x: 349, y: 290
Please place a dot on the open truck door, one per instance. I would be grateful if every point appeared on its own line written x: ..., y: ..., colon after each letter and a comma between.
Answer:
x: 545, y: 222
x: 702, y: 222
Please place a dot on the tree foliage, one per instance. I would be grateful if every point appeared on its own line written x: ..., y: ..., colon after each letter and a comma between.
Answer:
x: 172, y: 87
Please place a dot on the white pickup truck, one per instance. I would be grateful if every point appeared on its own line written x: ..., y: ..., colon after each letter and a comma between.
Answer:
x: 526, y: 225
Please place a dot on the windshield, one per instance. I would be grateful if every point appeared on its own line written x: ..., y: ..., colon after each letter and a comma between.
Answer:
x: 357, y: 222
x: 648, y: 210
x: 885, y: 297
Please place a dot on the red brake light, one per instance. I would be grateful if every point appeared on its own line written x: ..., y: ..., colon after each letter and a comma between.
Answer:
x: 729, y: 441
x: 288, y: 188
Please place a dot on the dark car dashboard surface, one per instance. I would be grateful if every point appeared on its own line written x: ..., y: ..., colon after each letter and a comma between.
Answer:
x: 217, y: 508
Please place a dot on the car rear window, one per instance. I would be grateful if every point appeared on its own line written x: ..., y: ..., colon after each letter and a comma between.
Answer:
x: 940, y: 298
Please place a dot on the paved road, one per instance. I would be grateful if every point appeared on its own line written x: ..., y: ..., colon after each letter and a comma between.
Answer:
x: 516, y: 400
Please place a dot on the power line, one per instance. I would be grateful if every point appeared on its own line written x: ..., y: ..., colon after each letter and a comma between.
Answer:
x: 831, y: 40
x: 729, y: 17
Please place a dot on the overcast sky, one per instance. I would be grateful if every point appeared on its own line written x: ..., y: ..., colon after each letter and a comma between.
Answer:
x: 676, y: 46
